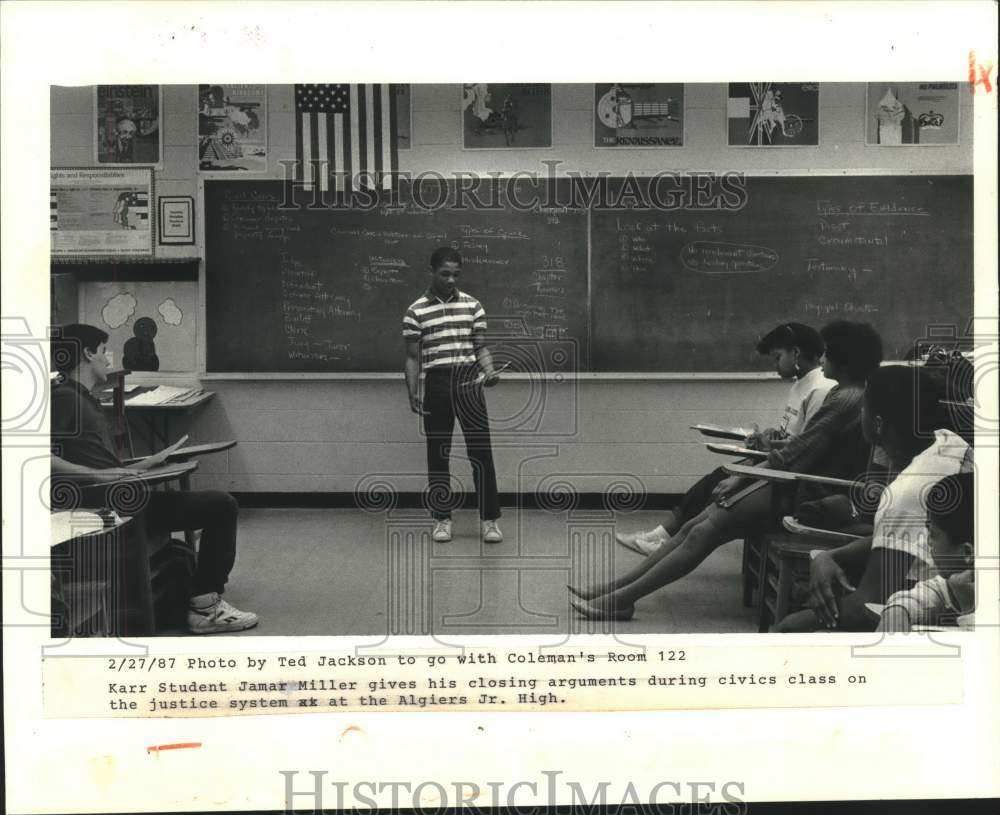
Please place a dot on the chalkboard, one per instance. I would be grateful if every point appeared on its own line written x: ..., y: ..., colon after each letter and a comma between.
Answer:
x: 301, y: 288
x: 692, y: 290
x: 296, y: 285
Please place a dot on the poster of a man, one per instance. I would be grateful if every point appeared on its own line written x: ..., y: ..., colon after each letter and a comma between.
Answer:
x: 127, y: 124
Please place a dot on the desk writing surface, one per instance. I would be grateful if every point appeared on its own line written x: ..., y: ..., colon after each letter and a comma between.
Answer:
x: 184, y: 405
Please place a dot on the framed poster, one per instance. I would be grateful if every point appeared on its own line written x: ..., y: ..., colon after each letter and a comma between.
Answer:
x: 232, y: 128
x: 912, y: 113
x: 507, y: 116
x: 127, y: 124
x: 176, y: 219
x: 642, y: 114
x: 773, y: 114
x: 100, y: 211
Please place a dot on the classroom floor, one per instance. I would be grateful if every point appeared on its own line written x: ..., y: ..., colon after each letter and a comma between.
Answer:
x: 333, y: 572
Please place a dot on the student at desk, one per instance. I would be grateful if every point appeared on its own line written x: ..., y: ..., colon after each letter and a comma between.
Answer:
x: 81, y: 446
x: 951, y: 521
x: 795, y: 350
x: 903, y: 416
x: 831, y: 445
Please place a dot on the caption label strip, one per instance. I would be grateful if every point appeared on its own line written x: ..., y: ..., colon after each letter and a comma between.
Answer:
x: 492, y: 680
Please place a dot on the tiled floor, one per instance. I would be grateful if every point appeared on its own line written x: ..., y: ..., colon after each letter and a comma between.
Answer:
x: 350, y: 572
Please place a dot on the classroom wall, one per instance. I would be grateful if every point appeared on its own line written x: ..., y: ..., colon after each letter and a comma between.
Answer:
x: 332, y: 435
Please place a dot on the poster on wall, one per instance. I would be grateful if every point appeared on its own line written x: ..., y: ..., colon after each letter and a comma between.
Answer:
x: 127, y: 124
x: 773, y: 114
x: 908, y: 113
x: 403, y: 116
x: 100, y: 211
x: 506, y: 116
x: 151, y: 326
x: 640, y: 114
x: 232, y: 128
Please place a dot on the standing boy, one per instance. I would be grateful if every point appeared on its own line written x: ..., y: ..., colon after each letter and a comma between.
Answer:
x: 445, y: 334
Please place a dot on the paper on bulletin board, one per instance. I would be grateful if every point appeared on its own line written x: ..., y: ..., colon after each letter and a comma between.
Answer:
x: 100, y: 211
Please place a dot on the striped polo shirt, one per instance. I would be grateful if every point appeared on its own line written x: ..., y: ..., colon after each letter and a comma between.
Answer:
x: 444, y: 328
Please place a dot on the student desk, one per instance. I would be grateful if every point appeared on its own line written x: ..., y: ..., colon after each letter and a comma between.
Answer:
x: 112, y: 561
x: 156, y: 418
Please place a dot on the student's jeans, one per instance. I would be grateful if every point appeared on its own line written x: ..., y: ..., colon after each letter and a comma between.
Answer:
x: 215, y: 514
x: 451, y: 392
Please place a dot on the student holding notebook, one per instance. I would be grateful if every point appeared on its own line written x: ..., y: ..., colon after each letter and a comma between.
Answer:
x: 831, y: 445
x: 795, y: 350
x: 445, y: 334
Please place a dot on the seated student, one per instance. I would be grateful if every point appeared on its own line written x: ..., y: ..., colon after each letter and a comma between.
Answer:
x: 950, y: 520
x: 831, y: 444
x: 902, y: 415
x: 81, y: 446
x: 796, y: 350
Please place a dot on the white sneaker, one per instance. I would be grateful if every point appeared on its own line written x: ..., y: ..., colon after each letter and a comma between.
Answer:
x: 645, y: 543
x: 491, y: 532
x: 442, y: 531
x: 213, y: 615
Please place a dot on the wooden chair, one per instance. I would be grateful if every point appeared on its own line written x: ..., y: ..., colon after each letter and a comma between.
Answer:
x: 120, y: 433
x: 780, y: 558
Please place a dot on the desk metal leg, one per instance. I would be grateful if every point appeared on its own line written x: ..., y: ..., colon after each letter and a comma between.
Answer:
x: 188, y: 533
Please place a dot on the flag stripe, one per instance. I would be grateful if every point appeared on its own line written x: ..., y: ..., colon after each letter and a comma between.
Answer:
x: 323, y: 167
x: 378, y: 137
x: 338, y: 151
x: 370, y: 127
x: 393, y: 125
x: 299, y: 157
x: 314, y: 146
x: 307, y: 154
x: 356, y: 113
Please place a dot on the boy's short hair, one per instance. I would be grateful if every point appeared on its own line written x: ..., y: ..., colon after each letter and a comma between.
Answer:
x: 443, y: 255
x: 68, y: 343
x: 908, y: 399
x: 792, y: 335
x: 951, y: 506
x: 854, y: 346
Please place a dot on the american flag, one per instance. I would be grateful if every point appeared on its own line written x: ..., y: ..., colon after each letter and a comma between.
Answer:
x: 343, y: 132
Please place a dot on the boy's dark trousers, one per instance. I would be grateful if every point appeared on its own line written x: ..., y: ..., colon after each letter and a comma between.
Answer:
x: 215, y: 513
x: 450, y: 392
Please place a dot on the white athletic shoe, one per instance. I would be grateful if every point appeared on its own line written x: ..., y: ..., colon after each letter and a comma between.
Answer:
x: 442, y: 531
x: 210, y: 614
x: 491, y: 532
x: 644, y: 543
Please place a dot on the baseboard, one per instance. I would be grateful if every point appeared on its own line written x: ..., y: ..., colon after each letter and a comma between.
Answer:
x: 415, y: 500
